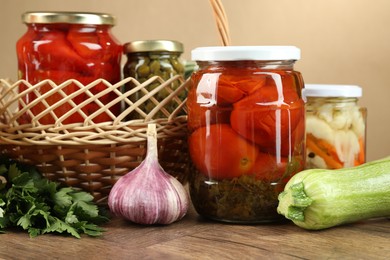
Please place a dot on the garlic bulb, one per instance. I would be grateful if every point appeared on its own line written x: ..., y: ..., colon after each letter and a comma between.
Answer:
x: 147, y: 194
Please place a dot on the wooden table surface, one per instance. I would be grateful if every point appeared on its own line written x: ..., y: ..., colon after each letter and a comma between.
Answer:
x: 196, y: 238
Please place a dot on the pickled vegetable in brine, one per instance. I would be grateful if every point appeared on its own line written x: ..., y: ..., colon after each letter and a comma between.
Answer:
x: 247, y: 126
x: 63, y: 46
x: 148, y: 59
x: 335, y: 126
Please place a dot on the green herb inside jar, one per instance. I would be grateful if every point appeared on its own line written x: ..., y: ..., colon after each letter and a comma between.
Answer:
x: 146, y: 59
x: 243, y: 199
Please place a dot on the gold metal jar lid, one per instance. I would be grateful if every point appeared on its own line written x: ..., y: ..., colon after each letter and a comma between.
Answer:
x: 68, y: 17
x: 153, y: 45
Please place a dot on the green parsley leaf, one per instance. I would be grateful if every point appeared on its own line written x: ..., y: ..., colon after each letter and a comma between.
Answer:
x: 60, y: 226
x: 41, y: 206
x: 62, y: 198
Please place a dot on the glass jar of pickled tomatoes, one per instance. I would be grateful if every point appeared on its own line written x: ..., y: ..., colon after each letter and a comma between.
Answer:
x: 246, y: 120
x: 335, y: 126
x: 68, y: 45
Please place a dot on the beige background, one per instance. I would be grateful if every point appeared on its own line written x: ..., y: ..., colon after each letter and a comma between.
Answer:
x: 342, y: 41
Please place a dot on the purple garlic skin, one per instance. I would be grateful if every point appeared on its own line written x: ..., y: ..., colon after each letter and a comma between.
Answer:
x: 148, y: 195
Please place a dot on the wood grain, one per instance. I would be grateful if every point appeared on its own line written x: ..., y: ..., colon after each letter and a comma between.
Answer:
x: 196, y: 238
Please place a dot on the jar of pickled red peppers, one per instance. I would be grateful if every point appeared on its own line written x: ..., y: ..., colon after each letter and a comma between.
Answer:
x: 335, y: 126
x: 68, y: 45
x: 246, y: 130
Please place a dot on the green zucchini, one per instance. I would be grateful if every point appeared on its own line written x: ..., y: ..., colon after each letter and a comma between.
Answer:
x: 318, y: 199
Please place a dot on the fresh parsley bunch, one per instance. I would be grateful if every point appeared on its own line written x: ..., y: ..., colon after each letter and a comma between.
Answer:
x: 40, y: 206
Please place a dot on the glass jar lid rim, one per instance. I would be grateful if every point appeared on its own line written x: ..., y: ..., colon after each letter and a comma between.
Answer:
x: 68, y: 17
x: 153, y: 45
x: 332, y: 90
x: 237, y: 53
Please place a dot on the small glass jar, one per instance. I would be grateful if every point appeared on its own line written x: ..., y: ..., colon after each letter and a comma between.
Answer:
x: 335, y: 126
x: 149, y: 58
x: 68, y: 45
x: 246, y: 130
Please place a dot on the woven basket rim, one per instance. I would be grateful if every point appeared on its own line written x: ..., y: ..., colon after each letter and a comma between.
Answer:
x: 86, y: 133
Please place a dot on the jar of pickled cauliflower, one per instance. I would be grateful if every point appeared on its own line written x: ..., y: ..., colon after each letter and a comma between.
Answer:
x: 335, y: 126
x: 67, y: 45
x: 246, y: 130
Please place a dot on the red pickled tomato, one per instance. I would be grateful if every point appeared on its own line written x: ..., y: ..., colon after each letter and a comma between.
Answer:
x: 199, y: 115
x: 268, y: 113
x: 209, y: 91
x: 233, y: 87
x: 298, y: 135
x: 267, y: 168
x: 245, y: 83
x: 227, y: 92
x: 229, y: 85
x: 218, y: 152
x: 218, y: 91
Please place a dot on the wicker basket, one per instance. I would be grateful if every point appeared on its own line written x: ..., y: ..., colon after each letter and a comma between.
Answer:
x: 88, y: 155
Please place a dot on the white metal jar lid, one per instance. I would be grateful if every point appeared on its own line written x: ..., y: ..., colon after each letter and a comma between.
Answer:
x: 331, y: 90
x: 235, y: 53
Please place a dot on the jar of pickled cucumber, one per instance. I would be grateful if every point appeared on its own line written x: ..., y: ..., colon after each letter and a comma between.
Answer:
x: 246, y: 130
x: 149, y: 58
x: 335, y: 126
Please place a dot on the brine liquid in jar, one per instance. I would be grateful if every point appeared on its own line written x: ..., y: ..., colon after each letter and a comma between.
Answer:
x: 66, y: 45
x: 335, y: 126
x: 246, y: 120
